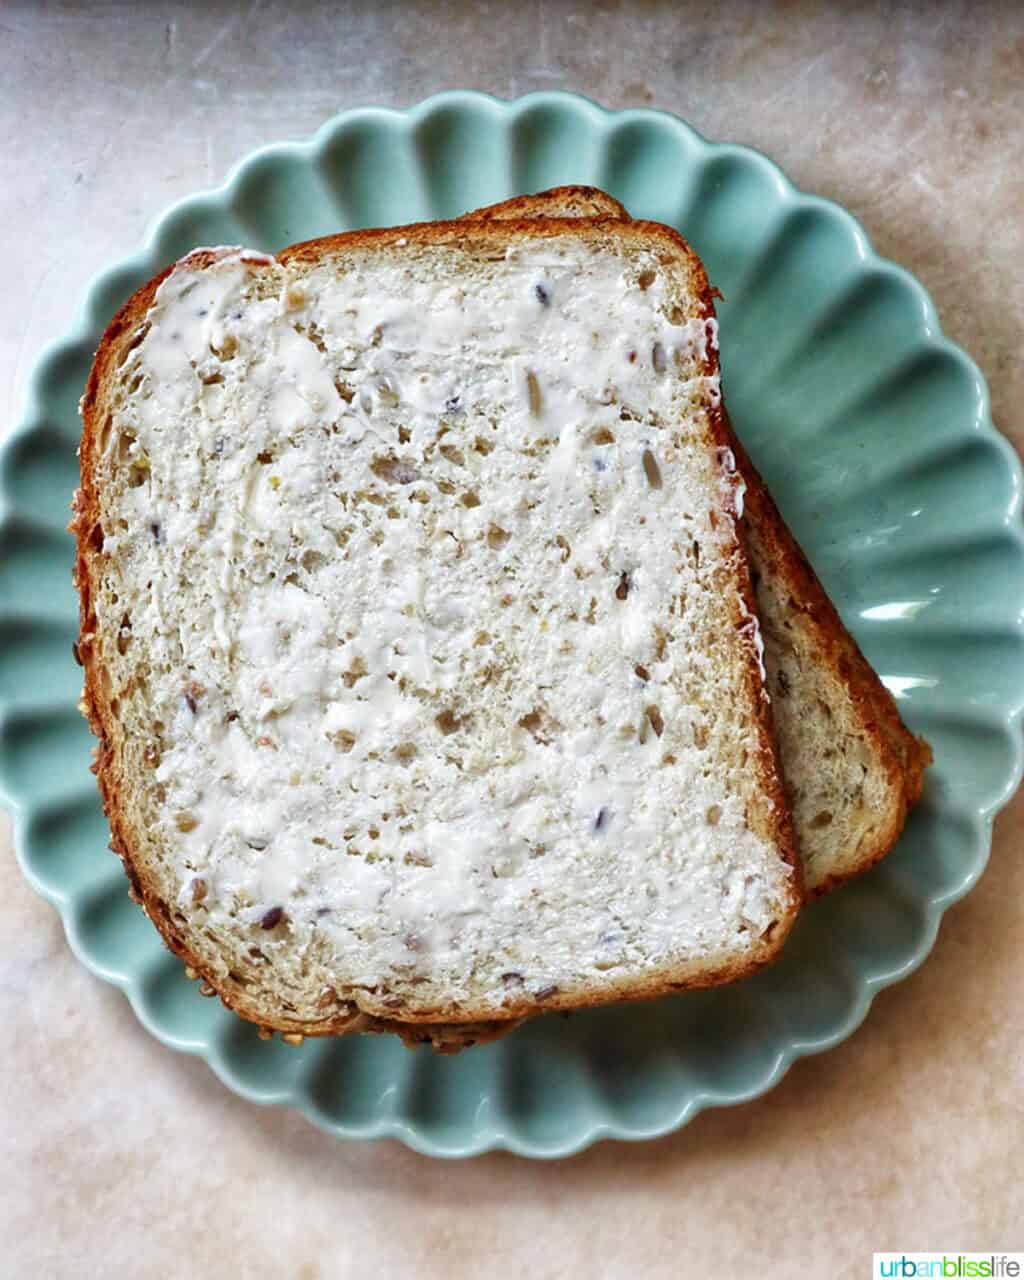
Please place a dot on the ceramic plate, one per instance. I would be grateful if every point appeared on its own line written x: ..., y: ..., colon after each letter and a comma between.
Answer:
x: 872, y: 430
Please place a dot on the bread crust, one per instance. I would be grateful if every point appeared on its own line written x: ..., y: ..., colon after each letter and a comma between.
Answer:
x: 450, y: 1027
x: 556, y: 202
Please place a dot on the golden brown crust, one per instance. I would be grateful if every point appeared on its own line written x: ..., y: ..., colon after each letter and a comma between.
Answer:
x: 556, y: 202
x: 447, y: 1028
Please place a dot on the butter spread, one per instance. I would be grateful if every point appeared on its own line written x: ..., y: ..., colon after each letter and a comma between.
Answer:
x: 425, y: 561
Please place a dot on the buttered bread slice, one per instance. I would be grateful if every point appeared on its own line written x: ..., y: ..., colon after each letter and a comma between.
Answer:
x: 417, y: 633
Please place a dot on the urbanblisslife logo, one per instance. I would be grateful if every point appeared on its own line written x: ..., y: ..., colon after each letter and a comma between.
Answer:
x: 949, y: 1266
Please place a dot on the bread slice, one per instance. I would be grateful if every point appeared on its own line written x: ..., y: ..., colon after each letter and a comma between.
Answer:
x: 417, y: 631
x: 852, y: 769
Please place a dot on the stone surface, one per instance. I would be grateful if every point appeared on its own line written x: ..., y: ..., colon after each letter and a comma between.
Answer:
x: 125, y: 1159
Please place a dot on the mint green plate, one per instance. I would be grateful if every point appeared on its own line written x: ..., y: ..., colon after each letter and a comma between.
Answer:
x: 873, y: 432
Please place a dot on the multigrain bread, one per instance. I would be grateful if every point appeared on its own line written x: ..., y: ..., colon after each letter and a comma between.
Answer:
x: 417, y: 632
x: 851, y: 767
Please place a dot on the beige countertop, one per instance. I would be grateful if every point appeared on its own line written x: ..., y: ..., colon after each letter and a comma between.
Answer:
x: 124, y: 1159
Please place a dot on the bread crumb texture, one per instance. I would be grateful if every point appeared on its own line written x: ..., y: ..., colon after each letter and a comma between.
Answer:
x: 416, y: 612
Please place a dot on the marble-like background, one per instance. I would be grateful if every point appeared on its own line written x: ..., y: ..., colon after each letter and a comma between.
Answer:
x: 122, y: 1159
